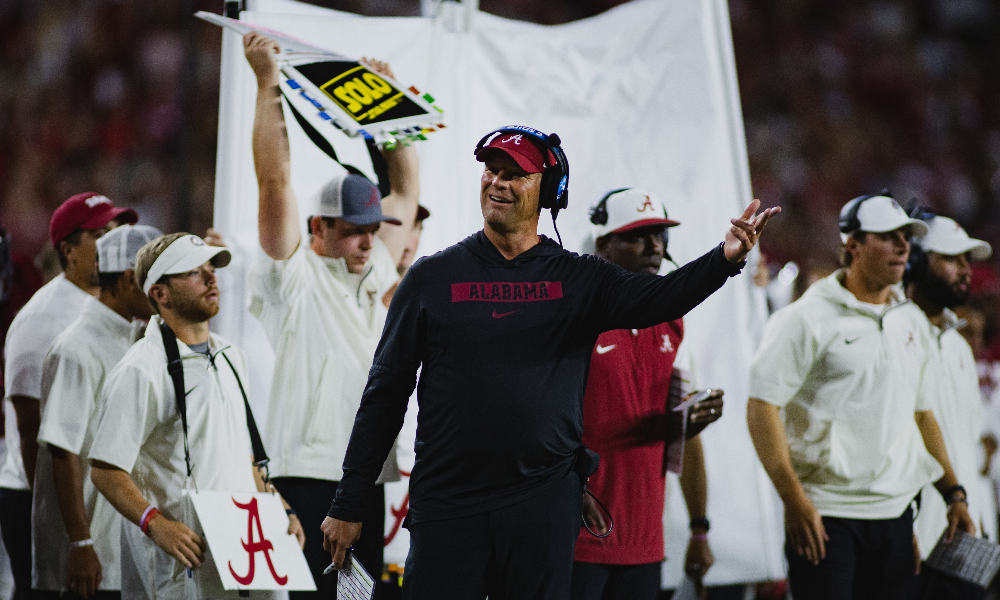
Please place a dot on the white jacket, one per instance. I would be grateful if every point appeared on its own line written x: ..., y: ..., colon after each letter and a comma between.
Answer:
x: 958, y: 408
x: 140, y: 432
x: 849, y: 377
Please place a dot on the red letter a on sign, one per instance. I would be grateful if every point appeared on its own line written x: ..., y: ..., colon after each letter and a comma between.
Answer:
x: 252, y: 547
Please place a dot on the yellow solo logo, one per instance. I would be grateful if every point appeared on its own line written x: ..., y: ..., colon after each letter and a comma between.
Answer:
x: 362, y: 94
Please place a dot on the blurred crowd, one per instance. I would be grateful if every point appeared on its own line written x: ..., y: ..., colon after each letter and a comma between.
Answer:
x: 846, y: 98
x: 115, y: 96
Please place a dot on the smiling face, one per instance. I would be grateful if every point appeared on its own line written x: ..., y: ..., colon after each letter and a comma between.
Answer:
x: 508, y: 194
x: 881, y: 257
x: 638, y: 250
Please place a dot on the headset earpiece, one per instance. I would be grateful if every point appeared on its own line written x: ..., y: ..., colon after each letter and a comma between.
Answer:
x: 599, y: 212
x: 849, y: 221
x: 916, y: 263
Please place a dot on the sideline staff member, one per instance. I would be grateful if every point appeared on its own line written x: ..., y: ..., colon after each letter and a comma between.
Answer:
x: 625, y: 421
x: 74, y: 229
x: 77, y: 533
x: 939, y: 274
x: 503, y: 324
x: 321, y: 305
x: 840, y: 416
x: 138, y: 457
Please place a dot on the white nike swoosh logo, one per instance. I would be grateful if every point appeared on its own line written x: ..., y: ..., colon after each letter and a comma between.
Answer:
x: 605, y: 349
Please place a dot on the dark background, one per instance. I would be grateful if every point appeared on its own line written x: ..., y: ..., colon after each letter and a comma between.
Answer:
x: 840, y: 98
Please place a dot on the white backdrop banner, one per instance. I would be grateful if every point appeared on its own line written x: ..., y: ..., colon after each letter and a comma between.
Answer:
x: 643, y: 95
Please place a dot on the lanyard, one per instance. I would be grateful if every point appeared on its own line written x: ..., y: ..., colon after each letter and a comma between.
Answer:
x: 176, y: 370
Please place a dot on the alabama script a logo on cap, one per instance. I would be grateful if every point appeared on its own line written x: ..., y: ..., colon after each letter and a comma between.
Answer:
x: 514, y: 138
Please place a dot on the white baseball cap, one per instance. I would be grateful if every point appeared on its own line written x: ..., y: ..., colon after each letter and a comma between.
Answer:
x: 627, y: 209
x: 876, y: 214
x: 182, y: 255
x: 116, y: 249
x: 947, y: 237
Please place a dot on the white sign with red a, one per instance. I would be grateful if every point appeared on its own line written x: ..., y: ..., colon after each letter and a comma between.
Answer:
x: 248, y: 537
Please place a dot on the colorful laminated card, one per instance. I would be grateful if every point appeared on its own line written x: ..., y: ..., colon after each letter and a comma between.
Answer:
x: 333, y: 92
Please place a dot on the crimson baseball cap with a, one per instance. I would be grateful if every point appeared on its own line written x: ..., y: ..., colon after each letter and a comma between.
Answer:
x: 88, y: 210
x: 631, y: 209
x: 878, y: 214
x: 353, y: 198
x: 947, y: 237
x: 526, y: 153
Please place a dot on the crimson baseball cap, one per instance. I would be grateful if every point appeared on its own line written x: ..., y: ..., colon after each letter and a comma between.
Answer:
x: 88, y: 210
x: 526, y: 153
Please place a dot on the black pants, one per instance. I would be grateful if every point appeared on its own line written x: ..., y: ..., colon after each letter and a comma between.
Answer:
x: 98, y: 595
x: 519, y: 552
x: 593, y: 581
x: 934, y: 585
x: 311, y: 500
x: 15, y: 526
x: 865, y: 559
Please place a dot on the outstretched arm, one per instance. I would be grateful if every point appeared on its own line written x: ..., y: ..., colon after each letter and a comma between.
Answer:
x: 277, y: 211
x: 404, y: 183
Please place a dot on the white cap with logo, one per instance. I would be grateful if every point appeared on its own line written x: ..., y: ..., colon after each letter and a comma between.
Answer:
x: 116, y: 249
x: 627, y: 209
x: 876, y: 214
x: 947, y: 237
x: 182, y: 255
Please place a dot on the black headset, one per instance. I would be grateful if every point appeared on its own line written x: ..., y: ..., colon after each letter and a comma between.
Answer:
x: 916, y: 264
x: 599, y: 212
x: 849, y: 221
x: 554, y: 192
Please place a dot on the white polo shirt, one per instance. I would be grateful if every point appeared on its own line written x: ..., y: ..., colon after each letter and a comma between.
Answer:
x: 139, y: 431
x: 74, y: 372
x: 50, y: 310
x: 849, y: 376
x: 324, y: 324
x: 958, y: 408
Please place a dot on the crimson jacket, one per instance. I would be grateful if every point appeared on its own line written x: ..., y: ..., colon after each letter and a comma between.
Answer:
x: 505, y: 348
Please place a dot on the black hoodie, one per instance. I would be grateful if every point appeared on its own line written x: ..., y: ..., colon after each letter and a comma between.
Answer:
x: 505, y: 347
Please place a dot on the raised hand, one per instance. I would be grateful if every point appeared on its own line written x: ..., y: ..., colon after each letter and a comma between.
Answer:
x: 746, y: 230
x: 262, y: 54
x: 380, y: 67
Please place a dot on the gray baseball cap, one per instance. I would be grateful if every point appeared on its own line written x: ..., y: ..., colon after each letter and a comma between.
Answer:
x: 116, y: 249
x: 353, y: 198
